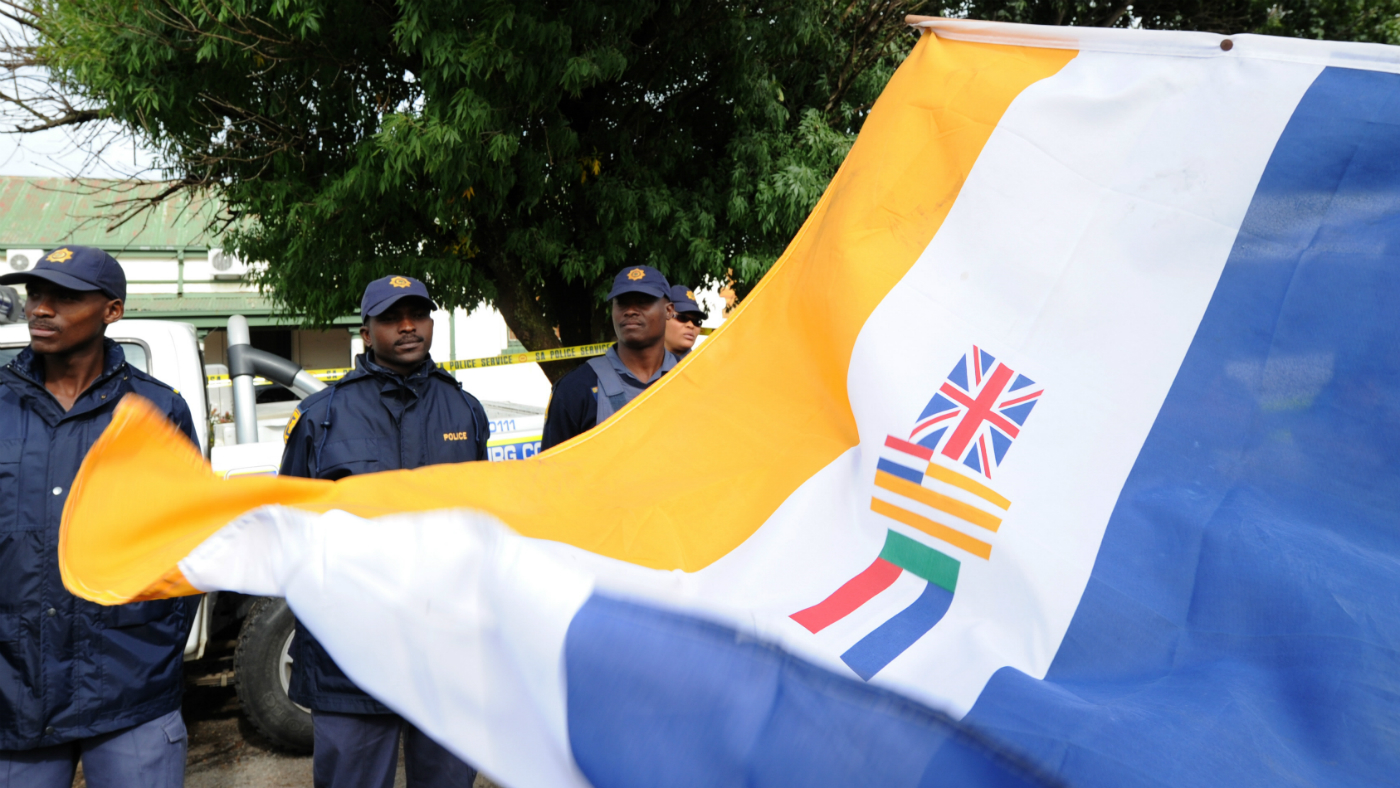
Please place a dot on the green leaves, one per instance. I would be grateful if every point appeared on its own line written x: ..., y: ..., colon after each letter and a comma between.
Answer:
x: 600, y: 65
x: 521, y: 151
x: 514, y: 152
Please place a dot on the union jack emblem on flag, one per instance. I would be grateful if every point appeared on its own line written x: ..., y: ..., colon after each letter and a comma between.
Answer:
x: 977, y: 412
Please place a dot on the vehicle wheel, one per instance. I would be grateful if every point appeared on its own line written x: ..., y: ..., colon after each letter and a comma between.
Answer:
x: 262, y: 669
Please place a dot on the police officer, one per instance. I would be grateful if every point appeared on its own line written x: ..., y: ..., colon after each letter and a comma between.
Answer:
x: 586, y: 397
x: 78, y: 681
x: 396, y: 410
x: 683, y: 329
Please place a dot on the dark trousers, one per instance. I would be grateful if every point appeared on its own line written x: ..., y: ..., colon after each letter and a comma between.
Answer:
x: 149, y: 755
x: 362, y: 751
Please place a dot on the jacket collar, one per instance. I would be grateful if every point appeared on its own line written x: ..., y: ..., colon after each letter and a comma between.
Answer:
x: 31, y: 367
x: 26, y: 374
x: 365, y: 366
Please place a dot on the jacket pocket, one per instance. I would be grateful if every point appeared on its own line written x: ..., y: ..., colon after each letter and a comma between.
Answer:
x: 10, y: 451
x: 140, y: 653
x: 351, y: 457
x: 16, y: 700
x: 135, y: 614
x: 174, y: 728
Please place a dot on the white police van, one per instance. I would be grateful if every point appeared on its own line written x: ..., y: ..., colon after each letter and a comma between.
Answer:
x: 260, y: 664
x: 516, y: 431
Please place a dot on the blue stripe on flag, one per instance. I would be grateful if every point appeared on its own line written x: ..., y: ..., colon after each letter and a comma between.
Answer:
x: 903, y: 472
x: 658, y: 699
x: 873, y: 652
x: 1242, y: 622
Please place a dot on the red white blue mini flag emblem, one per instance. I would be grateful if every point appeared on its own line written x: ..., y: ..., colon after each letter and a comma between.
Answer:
x: 977, y: 412
x: 934, y: 485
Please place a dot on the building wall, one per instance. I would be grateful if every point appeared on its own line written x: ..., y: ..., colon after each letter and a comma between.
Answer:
x: 328, y: 349
x: 216, y: 347
x: 321, y: 349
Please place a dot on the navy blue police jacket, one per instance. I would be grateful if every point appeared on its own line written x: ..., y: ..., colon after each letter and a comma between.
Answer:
x: 69, y: 668
x: 378, y: 421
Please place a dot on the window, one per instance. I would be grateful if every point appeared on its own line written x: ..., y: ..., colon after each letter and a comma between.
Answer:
x: 136, y: 354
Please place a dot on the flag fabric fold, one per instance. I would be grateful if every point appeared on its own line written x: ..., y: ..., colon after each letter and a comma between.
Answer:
x: 545, y: 675
x: 1092, y: 445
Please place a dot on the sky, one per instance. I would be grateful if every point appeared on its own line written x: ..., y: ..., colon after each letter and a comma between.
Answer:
x: 60, y: 153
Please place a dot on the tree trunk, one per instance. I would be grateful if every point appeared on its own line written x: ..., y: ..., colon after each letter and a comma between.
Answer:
x: 575, y: 310
x: 564, y: 315
x: 522, y: 310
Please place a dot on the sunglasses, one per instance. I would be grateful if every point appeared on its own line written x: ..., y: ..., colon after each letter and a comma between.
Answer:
x: 689, y: 317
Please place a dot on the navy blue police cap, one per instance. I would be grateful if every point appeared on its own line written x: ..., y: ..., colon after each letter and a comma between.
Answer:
x: 640, y: 279
x: 684, y: 300
x: 80, y: 268
x: 385, y: 292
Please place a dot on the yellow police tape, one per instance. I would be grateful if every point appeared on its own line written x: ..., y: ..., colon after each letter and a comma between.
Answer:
x: 556, y: 354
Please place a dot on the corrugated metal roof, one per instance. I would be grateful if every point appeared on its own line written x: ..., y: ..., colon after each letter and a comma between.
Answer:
x: 207, y: 303
x: 212, y: 310
x: 41, y: 213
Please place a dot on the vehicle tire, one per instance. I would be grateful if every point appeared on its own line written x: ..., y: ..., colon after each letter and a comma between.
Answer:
x: 262, y: 667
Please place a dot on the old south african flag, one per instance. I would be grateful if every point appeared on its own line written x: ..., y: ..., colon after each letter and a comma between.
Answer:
x: 1191, y: 241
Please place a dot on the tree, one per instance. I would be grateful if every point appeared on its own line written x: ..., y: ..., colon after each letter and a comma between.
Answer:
x: 514, y: 152
x: 520, y: 153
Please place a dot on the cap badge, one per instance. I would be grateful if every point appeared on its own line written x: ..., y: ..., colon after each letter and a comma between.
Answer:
x: 690, y: 294
x: 60, y: 256
x: 398, y: 281
x: 636, y: 274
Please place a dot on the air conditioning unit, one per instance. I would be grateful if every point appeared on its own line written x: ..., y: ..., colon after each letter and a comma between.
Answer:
x: 22, y: 259
x: 226, y: 265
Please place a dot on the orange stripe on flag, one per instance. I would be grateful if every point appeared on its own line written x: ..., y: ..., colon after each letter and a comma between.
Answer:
x: 978, y: 489
x: 935, y: 529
